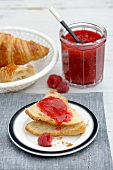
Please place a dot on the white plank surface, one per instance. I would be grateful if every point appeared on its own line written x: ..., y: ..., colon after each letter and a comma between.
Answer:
x: 35, y: 14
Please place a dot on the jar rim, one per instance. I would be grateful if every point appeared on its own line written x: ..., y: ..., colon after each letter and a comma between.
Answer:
x: 87, y: 25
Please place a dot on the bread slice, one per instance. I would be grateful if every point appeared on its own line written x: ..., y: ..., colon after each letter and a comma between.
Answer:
x: 35, y: 113
x: 39, y: 127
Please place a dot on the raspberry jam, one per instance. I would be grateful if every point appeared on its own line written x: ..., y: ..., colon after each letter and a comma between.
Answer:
x: 58, y: 128
x: 55, y: 108
x: 83, y: 63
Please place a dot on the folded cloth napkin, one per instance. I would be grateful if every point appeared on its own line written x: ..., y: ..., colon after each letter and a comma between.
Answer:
x: 96, y: 156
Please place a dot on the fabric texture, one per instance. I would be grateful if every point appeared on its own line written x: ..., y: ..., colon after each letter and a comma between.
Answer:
x: 96, y: 156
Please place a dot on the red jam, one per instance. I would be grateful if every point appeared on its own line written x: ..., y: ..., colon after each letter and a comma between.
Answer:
x: 55, y: 108
x: 58, y: 128
x: 83, y: 66
x: 86, y: 35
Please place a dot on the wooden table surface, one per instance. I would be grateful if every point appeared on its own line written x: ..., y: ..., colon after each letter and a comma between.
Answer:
x: 35, y: 15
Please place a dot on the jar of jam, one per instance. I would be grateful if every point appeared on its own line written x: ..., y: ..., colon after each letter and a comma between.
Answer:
x: 83, y: 63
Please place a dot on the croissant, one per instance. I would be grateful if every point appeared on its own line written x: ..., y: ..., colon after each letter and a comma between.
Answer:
x: 12, y: 72
x: 18, y: 51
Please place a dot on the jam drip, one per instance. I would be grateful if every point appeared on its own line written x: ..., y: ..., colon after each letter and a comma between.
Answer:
x: 55, y: 108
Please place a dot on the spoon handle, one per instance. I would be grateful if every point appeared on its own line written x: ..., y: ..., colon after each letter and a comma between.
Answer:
x: 57, y: 16
x: 70, y: 31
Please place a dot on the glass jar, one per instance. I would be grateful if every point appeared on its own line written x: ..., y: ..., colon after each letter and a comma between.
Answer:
x: 83, y: 63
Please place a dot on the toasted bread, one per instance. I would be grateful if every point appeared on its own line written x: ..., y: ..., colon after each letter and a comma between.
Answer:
x: 39, y: 127
x: 36, y: 114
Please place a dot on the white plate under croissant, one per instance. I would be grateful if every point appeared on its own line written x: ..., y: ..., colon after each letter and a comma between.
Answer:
x: 42, y: 66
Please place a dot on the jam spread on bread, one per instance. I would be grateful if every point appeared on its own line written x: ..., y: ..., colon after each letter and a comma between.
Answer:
x: 55, y: 108
x: 58, y: 128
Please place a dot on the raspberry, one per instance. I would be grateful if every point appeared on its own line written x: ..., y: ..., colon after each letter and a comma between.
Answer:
x: 54, y: 80
x: 62, y: 87
x: 45, y: 139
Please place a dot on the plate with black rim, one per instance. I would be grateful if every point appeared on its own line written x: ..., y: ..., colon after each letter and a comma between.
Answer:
x: 62, y: 145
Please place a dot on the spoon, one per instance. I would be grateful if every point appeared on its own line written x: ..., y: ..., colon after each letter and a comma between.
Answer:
x: 57, y: 16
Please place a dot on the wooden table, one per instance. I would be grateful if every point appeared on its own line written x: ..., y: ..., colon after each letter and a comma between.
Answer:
x: 35, y: 15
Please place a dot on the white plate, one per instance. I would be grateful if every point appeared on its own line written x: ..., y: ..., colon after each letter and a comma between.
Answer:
x: 42, y: 66
x: 28, y: 142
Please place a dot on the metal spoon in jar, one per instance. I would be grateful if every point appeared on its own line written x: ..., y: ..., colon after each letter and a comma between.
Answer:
x: 56, y: 15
